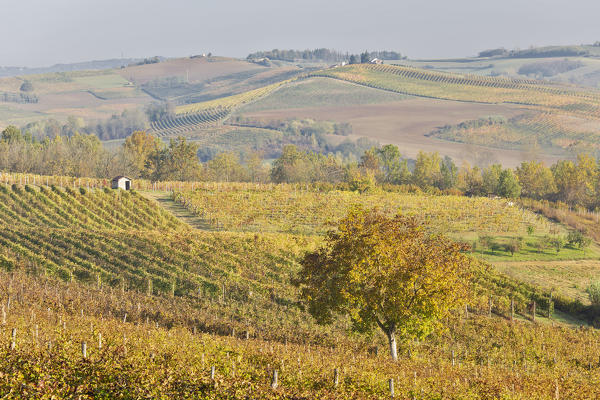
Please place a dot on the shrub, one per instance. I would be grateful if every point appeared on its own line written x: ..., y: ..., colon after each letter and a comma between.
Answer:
x: 512, y: 247
x: 578, y: 239
x: 593, y: 291
x: 556, y: 242
x: 26, y: 86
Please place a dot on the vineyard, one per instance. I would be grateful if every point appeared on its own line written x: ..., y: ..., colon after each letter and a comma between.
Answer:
x: 293, y: 209
x: 471, y: 88
x: 548, y: 130
x: 195, y: 116
x: 190, y: 122
x: 65, y: 339
x: 106, y: 295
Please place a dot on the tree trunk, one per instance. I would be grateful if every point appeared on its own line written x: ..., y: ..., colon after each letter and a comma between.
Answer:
x: 392, y: 340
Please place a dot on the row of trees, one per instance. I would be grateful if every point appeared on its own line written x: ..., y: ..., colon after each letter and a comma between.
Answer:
x: 324, y: 55
x: 118, y: 126
x: 575, y: 182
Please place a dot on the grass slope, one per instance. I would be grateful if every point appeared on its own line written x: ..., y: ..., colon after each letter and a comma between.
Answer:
x: 319, y: 92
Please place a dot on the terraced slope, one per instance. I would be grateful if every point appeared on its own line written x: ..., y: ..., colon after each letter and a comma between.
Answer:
x: 195, y: 116
x: 472, y: 88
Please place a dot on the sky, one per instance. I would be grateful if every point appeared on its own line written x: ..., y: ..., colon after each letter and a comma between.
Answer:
x: 37, y: 33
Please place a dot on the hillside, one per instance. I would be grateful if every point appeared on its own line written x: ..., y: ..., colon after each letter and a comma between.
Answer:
x: 158, y: 304
x: 98, y: 94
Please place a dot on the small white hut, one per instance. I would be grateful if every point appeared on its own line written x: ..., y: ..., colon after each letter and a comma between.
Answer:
x: 121, y: 182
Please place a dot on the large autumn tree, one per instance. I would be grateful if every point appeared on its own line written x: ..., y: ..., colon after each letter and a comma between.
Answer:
x: 385, y: 272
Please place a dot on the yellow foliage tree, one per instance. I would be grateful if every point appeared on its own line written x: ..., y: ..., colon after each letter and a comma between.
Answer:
x: 385, y: 272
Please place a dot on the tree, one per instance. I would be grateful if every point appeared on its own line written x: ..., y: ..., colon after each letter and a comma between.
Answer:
x: 470, y: 181
x: 385, y: 272
x: 365, y: 58
x: 593, y: 291
x: 287, y: 167
x: 157, y: 111
x: 557, y: 242
x: 140, y: 145
x: 177, y: 162
x: 508, y: 185
x: 565, y: 177
x: 389, y: 157
x: 370, y: 160
x: 578, y: 239
x: 449, y: 174
x: 12, y: 134
x: 427, y: 171
x: 225, y: 167
x: 26, y: 86
x: 512, y: 247
x: 353, y: 59
x: 536, y: 180
x: 491, y: 177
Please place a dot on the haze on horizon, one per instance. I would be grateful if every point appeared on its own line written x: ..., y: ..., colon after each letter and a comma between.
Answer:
x: 39, y: 33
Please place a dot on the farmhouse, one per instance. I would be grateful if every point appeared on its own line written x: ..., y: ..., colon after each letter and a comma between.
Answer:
x: 121, y: 182
x: 376, y: 61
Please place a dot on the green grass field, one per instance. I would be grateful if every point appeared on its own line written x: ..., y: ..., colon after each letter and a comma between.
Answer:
x: 318, y: 92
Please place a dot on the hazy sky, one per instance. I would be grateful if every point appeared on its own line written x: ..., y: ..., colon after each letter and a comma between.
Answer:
x: 45, y: 32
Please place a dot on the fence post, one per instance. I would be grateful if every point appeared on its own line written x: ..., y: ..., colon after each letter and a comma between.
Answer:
x: 533, y: 312
x: 212, y: 373
x: 391, y: 384
x: 512, y: 309
x: 84, y: 349
x: 13, y: 340
x: 336, y: 377
x: 490, y: 306
x: 274, y: 381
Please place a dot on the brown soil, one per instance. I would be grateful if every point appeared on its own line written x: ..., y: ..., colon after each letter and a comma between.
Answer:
x: 405, y: 123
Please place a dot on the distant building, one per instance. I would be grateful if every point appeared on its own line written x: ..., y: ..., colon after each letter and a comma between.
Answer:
x: 376, y: 61
x: 121, y: 182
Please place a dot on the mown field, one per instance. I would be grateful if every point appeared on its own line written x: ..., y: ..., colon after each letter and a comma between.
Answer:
x: 158, y: 304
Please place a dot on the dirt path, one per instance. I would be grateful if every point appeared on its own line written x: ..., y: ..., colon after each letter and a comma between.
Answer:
x: 179, y: 211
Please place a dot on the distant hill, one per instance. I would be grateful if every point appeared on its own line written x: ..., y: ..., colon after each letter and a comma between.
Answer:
x: 81, y: 66
x: 546, y: 51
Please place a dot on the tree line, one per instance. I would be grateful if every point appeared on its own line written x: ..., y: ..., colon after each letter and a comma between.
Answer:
x: 574, y: 182
x: 322, y: 55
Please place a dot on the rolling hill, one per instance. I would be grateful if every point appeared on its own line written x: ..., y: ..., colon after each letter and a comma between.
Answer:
x: 110, y: 292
